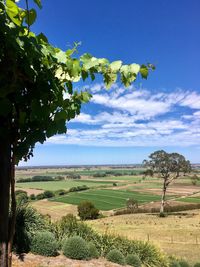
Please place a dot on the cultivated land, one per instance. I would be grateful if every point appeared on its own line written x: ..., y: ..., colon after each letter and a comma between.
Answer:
x: 175, y: 234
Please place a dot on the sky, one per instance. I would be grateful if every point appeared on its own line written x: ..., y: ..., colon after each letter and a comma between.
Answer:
x: 125, y: 125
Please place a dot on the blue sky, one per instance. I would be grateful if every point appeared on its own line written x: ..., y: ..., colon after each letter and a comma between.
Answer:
x: 126, y: 125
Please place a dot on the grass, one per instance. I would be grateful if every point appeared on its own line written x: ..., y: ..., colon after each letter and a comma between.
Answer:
x: 190, y: 199
x: 56, y: 185
x: 106, y: 199
x: 177, y: 235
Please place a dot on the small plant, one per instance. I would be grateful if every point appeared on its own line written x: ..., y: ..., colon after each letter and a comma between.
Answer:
x: 197, y: 264
x: 133, y: 260
x: 116, y: 256
x: 174, y: 263
x: 183, y: 263
x: 76, y: 248
x: 93, y: 252
x: 43, y: 243
x: 162, y: 215
x: 87, y: 211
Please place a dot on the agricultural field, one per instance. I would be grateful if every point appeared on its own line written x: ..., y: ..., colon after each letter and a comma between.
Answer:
x: 177, y: 234
x: 106, y: 199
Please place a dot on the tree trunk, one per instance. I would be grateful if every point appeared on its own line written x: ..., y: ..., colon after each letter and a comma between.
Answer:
x: 163, y: 198
x: 5, y: 170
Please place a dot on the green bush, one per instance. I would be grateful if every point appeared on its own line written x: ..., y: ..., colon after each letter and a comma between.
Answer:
x: 76, y: 248
x: 197, y: 264
x: 32, y: 197
x: 28, y: 221
x: 183, y: 263
x: 93, y: 252
x: 87, y: 211
x: 133, y: 260
x: 44, y: 243
x: 48, y: 194
x: 21, y: 197
x: 40, y: 196
x: 116, y: 256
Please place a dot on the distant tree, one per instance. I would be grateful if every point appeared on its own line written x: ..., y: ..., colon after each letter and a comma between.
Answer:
x: 132, y: 204
x: 148, y: 172
x: 169, y: 166
x: 187, y: 168
x: 195, y: 179
x: 87, y: 211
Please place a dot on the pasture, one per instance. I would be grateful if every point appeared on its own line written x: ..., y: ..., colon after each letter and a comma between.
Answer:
x: 106, y: 199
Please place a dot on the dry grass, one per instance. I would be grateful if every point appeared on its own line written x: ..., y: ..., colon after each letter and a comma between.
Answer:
x: 55, y: 209
x: 177, y: 235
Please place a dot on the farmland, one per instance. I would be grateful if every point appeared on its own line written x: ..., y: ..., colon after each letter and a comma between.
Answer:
x: 109, y: 189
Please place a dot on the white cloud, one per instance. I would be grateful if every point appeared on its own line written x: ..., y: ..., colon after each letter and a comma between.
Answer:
x: 130, y: 117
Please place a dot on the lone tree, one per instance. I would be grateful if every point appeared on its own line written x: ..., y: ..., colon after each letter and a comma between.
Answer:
x: 34, y: 79
x: 169, y: 166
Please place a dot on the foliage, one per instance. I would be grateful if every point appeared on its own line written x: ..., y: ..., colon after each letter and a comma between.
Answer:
x: 76, y: 248
x: 197, y: 264
x: 61, y: 192
x: 48, y: 194
x: 99, y: 174
x: 74, y: 176
x: 132, y: 205
x: 183, y: 263
x: 133, y: 260
x: 79, y: 188
x: 174, y: 263
x: 116, y: 256
x: 40, y: 196
x: 28, y: 221
x: 195, y: 179
x: 35, y: 179
x: 32, y: 197
x: 93, y: 252
x: 21, y: 196
x: 87, y: 211
x: 44, y: 243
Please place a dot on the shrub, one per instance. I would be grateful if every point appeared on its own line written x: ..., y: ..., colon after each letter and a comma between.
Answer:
x: 99, y: 174
x: 38, y: 178
x: 79, y: 188
x: 43, y: 243
x: 87, y: 211
x: 61, y: 192
x: 93, y: 252
x: 21, y: 196
x: 133, y: 260
x: 28, y: 221
x: 76, y: 248
x: 116, y: 256
x: 32, y: 197
x: 40, y: 196
x: 183, y: 263
x: 132, y: 205
x: 48, y: 194
x: 197, y: 264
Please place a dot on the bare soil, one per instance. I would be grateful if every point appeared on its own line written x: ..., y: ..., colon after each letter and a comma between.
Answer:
x: 30, y: 260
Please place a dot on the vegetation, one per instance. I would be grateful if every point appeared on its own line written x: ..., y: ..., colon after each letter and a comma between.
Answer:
x: 132, y: 205
x: 107, y: 199
x: 44, y: 243
x: 87, y: 211
x: 183, y: 263
x: 76, y: 248
x: 29, y: 62
x: 116, y: 256
x: 133, y: 260
x: 93, y: 252
x: 169, y: 166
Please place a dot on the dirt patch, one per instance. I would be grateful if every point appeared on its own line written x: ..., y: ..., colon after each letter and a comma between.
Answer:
x: 31, y: 191
x: 30, y: 260
x: 55, y: 209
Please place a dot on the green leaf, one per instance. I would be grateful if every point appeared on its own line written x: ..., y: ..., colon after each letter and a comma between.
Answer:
x: 85, y: 97
x: 116, y: 65
x: 144, y: 71
x: 12, y: 11
x: 38, y: 3
x: 41, y: 37
x: 135, y: 68
x: 61, y: 115
x: 31, y: 16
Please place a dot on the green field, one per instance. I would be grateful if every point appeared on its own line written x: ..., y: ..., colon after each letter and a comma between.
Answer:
x: 106, y: 199
x: 190, y: 199
x: 111, y: 172
x: 56, y: 185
